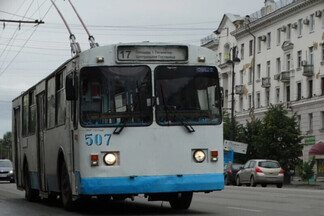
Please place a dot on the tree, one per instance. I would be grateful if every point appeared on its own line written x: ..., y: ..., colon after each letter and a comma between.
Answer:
x: 5, y: 146
x: 305, y: 170
x: 280, y: 138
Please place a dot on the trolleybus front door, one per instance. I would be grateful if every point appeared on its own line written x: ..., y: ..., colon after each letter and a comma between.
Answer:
x: 40, y: 140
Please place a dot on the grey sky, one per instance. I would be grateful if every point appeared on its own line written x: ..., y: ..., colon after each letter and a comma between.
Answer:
x: 109, y: 21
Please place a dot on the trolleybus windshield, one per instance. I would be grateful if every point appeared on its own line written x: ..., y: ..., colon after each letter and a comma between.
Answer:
x: 187, y: 95
x: 116, y: 96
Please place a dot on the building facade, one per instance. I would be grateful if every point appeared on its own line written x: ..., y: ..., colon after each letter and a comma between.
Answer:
x: 281, y: 48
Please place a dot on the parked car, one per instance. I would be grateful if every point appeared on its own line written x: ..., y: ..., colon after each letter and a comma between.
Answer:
x: 230, y: 170
x: 262, y: 172
x: 6, y: 171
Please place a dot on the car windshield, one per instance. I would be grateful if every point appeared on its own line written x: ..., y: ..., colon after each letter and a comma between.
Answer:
x: 5, y: 164
x: 113, y: 96
x: 269, y: 164
x: 187, y: 94
x: 237, y: 166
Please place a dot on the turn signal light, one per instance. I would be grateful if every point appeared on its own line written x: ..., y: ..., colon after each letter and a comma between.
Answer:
x: 94, y: 160
x: 214, y: 156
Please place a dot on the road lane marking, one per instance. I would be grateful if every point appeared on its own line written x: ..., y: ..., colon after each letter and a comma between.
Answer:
x: 244, y: 209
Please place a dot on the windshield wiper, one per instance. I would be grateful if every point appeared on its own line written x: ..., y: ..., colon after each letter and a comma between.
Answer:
x: 167, y: 111
x: 119, y: 128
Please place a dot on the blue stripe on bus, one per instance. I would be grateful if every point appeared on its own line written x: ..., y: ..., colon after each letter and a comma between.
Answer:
x: 151, y: 184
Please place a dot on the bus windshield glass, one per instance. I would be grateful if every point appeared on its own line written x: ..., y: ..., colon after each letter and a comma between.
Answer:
x: 187, y: 95
x: 116, y: 96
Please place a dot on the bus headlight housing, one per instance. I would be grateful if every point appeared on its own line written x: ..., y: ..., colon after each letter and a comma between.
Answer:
x: 110, y: 158
x: 199, y: 156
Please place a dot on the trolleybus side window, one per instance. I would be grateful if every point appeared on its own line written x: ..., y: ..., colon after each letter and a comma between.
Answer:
x: 25, y: 115
x: 50, y: 103
x: 187, y: 94
x: 116, y: 96
x: 32, y: 113
x: 60, y: 100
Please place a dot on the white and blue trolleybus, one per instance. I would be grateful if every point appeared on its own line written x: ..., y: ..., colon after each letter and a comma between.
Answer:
x: 121, y: 120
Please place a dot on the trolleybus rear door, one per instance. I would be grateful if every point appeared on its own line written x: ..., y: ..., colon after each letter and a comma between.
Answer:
x: 40, y: 139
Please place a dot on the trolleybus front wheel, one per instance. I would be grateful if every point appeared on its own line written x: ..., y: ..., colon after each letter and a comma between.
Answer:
x: 181, y: 200
x: 66, y: 192
x: 30, y: 194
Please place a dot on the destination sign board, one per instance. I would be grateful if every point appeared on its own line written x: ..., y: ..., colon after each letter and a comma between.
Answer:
x: 152, y: 53
x: 237, y: 147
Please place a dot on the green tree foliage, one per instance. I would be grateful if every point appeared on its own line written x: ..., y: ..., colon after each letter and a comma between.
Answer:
x: 305, y: 170
x: 275, y: 137
x: 5, y: 146
x: 280, y: 137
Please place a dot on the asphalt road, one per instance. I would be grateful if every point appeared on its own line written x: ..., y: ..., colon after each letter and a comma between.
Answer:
x: 232, y: 201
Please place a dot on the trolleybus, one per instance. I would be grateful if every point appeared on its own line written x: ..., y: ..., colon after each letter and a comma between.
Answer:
x: 121, y: 120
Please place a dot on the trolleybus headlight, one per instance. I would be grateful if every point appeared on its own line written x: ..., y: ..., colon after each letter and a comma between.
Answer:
x: 199, y: 156
x: 110, y: 158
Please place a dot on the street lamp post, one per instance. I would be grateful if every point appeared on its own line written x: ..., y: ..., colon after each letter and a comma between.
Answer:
x: 232, y: 61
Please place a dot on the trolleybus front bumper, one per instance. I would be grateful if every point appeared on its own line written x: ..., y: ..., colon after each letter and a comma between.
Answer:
x: 150, y: 184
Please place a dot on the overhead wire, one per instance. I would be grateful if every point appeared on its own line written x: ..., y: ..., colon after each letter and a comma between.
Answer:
x: 36, y: 26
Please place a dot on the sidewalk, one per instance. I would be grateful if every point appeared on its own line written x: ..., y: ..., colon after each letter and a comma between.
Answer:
x: 298, y: 183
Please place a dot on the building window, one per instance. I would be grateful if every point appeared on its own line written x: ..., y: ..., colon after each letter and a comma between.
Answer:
x: 250, y: 47
x: 277, y: 95
x: 310, y: 121
x: 312, y: 23
x: 311, y: 55
x: 299, y: 58
x: 269, y: 40
x: 288, y: 32
x: 241, y: 103
x: 310, y: 88
x: 241, y: 77
x: 268, y: 68
x: 299, y: 91
x: 226, y: 52
x: 322, y: 120
x: 278, y: 63
x: 298, y: 120
x: 258, y: 100
x: 288, y: 93
x: 242, y: 51
x: 267, y: 97
x: 258, y: 71
x: 259, y: 44
x: 323, y: 51
x: 300, y: 27
x: 288, y: 62
x: 250, y: 75
x: 278, y: 36
x: 250, y: 101
x: 322, y: 85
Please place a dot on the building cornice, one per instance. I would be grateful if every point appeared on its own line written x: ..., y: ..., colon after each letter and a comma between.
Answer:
x: 275, y: 16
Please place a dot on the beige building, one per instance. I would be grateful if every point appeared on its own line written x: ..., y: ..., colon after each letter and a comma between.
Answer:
x: 281, y: 48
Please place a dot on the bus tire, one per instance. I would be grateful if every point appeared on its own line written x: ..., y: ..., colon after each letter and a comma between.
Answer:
x: 181, y: 200
x: 30, y: 194
x: 65, y: 187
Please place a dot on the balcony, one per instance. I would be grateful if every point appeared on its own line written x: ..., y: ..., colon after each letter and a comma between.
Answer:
x: 285, y: 76
x: 239, y: 89
x: 308, y: 70
x: 266, y: 82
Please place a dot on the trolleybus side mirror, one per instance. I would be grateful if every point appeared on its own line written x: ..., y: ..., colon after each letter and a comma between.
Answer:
x: 70, y: 88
